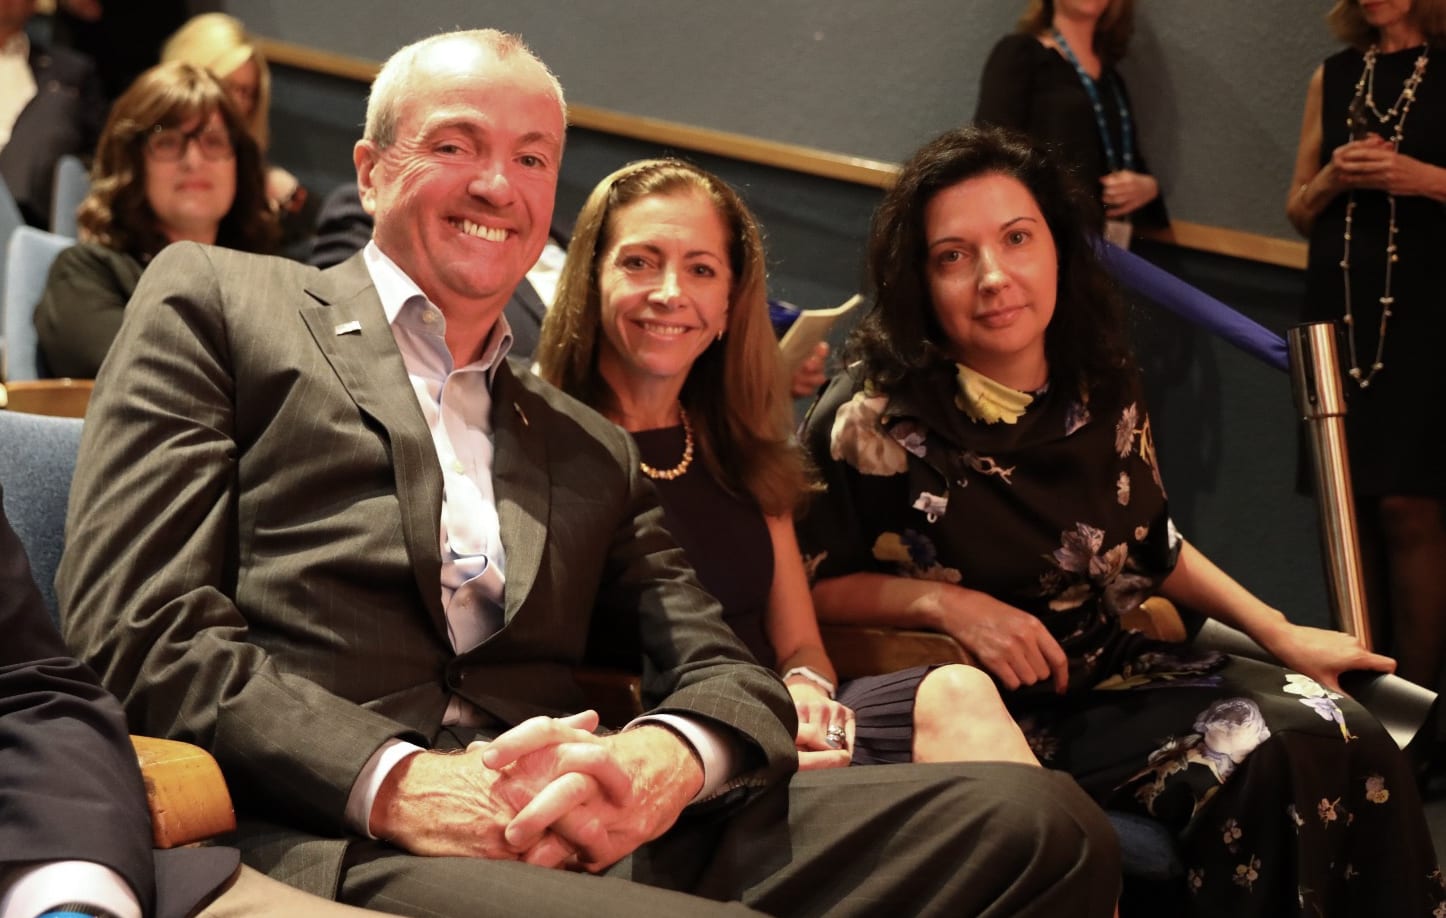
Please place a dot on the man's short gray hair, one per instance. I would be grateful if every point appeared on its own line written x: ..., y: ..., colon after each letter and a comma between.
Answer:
x: 394, y: 80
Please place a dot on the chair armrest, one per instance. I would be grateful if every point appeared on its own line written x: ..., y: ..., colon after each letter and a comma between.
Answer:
x: 867, y: 650
x: 185, y: 791
x: 1156, y: 618
x: 61, y: 398
x: 616, y: 694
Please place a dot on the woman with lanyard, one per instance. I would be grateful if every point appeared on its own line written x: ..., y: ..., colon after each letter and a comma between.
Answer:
x: 1054, y: 79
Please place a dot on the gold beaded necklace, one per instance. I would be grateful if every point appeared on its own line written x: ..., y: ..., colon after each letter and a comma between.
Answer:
x: 681, y: 467
x: 1356, y: 117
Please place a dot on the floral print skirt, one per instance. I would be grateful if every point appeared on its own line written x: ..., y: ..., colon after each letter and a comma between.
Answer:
x: 1286, y: 799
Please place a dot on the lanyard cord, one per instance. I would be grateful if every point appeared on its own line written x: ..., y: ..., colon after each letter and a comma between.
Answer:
x: 1127, y: 128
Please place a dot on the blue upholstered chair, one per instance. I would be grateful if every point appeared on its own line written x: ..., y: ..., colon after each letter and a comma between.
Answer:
x: 28, y: 257
x: 72, y: 184
x: 37, y: 460
x: 10, y: 221
x: 184, y: 788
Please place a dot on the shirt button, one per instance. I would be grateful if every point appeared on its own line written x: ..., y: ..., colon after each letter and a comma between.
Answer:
x: 457, y: 466
x: 429, y: 317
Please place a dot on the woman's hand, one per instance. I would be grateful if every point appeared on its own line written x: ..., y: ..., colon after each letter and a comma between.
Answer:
x: 817, y: 714
x: 1374, y: 163
x: 810, y: 374
x: 1323, y: 655
x: 1013, y: 645
x: 1126, y: 191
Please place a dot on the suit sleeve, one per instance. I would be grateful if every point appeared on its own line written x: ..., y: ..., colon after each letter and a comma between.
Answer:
x: 695, y: 665
x: 72, y: 790
x: 148, y: 581
x: 1006, y: 86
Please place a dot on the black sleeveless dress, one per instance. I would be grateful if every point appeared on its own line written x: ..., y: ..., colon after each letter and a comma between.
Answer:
x: 726, y: 540
x: 1392, y: 427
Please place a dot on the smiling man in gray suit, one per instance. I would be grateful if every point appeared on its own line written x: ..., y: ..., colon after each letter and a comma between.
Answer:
x: 321, y: 527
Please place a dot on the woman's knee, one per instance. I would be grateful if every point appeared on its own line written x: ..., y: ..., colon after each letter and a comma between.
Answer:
x: 957, y: 688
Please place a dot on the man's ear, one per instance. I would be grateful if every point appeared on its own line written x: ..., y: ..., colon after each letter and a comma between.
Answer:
x: 366, y: 157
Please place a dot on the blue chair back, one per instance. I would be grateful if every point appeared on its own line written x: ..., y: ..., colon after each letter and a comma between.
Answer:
x: 28, y: 259
x: 10, y: 221
x: 37, y: 461
x: 72, y: 184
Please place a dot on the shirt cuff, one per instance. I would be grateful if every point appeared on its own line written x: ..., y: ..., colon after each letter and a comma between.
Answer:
x: 34, y: 889
x: 364, y: 791
x: 719, y: 750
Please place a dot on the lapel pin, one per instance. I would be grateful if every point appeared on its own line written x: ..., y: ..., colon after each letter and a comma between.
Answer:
x: 347, y: 328
x: 518, y: 408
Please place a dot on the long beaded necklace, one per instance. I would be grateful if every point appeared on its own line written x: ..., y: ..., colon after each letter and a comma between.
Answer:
x: 682, y: 466
x: 1356, y: 119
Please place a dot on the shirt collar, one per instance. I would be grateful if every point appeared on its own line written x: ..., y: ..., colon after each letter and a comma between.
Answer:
x: 396, y: 290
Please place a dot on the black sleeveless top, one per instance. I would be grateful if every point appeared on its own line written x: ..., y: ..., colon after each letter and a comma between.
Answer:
x: 1391, y: 425
x: 725, y: 537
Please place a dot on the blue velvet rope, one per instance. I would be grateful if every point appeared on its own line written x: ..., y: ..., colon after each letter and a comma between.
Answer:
x: 1194, y: 306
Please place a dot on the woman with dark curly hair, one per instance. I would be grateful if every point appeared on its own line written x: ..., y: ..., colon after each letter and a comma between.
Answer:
x: 175, y: 162
x: 991, y: 474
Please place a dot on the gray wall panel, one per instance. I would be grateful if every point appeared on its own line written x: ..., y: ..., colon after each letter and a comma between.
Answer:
x: 1219, y: 86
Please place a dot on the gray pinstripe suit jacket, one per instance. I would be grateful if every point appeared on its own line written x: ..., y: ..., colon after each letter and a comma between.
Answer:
x: 253, y: 559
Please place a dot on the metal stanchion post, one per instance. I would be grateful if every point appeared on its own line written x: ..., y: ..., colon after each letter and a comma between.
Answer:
x: 1319, y: 397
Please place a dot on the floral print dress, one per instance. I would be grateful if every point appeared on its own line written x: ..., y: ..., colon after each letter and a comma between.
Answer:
x: 1286, y: 798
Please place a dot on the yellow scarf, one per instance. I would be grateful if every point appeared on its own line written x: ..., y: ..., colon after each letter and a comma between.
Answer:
x: 987, y: 401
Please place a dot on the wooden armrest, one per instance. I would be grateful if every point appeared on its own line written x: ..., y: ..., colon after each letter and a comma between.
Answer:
x: 185, y: 791
x: 860, y: 650
x: 62, y: 398
x: 866, y: 650
x: 1158, y: 618
x: 616, y: 694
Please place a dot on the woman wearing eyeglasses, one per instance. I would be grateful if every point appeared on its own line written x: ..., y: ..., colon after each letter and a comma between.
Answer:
x: 175, y: 162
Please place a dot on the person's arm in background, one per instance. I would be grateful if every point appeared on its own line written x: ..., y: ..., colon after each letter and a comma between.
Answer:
x: 80, y: 312
x: 811, y: 373
x: 1006, y: 86
x: 1198, y: 584
x: 76, y: 826
x: 1312, y: 186
x: 1127, y: 192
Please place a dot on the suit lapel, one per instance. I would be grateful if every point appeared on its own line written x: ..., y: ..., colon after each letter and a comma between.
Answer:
x: 520, y: 483
x: 350, y: 328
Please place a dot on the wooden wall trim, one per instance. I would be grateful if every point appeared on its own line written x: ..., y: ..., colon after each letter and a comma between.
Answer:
x: 1286, y: 253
